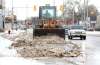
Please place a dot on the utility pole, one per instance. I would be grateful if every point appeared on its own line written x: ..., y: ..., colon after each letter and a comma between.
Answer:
x: 12, y: 16
x: 84, y: 11
x: 87, y: 12
x: 2, y: 14
x: 27, y: 7
x: 73, y: 12
x: 63, y: 13
x: 73, y: 15
x: 87, y: 9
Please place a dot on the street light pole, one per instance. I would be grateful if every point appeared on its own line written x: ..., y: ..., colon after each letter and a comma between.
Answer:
x: 84, y: 11
x: 73, y: 12
x: 73, y: 15
x: 63, y: 13
x: 87, y: 9
x: 87, y: 12
x: 12, y: 15
x: 3, y: 13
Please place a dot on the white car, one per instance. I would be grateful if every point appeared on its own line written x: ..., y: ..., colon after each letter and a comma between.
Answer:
x: 76, y: 31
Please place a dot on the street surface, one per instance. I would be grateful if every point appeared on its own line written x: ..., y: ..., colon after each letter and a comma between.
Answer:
x: 93, y: 49
x: 90, y: 46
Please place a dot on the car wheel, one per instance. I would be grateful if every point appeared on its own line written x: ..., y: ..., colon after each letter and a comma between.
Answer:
x: 81, y: 37
x: 84, y: 37
x: 68, y: 37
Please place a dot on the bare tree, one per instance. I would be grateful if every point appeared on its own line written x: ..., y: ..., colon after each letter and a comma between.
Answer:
x: 70, y: 7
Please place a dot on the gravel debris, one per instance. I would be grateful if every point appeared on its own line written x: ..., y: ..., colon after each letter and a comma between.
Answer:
x: 44, y: 46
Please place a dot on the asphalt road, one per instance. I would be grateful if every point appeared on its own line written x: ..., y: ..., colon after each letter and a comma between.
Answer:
x: 93, y: 50
x: 91, y: 47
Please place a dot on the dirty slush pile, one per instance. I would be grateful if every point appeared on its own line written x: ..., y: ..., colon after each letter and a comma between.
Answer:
x: 44, y: 46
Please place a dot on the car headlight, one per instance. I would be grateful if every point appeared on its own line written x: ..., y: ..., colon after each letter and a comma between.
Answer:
x: 83, y: 32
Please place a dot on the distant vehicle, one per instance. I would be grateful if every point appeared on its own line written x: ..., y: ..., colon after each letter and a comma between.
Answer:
x: 76, y: 31
x: 90, y: 29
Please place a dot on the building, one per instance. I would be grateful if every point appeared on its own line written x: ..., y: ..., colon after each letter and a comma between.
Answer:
x: 98, y: 23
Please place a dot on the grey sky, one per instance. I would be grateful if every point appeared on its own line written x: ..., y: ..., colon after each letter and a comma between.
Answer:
x: 23, y: 13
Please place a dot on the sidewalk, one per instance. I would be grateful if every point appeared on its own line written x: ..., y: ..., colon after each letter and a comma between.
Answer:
x: 12, y: 35
x: 4, y: 48
x: 8, y: 56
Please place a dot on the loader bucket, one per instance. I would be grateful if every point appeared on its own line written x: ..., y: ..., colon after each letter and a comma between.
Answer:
x: 49, y: 31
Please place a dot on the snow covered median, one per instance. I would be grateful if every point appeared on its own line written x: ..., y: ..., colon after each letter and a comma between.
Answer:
x: 44, y: 46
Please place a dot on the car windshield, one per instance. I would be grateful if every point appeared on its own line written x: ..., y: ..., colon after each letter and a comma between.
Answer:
x: 76, y: 27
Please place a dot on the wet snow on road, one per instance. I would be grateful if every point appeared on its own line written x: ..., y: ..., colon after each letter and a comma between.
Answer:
x: 91, y: 46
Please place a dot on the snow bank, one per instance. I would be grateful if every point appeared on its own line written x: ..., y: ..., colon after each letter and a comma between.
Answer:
x: 44, y: 46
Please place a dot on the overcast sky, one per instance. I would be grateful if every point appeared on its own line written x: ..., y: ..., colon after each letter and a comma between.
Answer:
x: 22, y: 12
